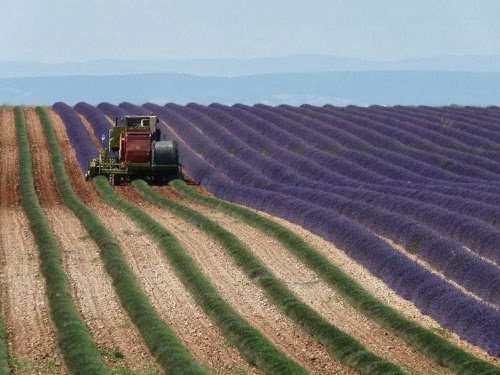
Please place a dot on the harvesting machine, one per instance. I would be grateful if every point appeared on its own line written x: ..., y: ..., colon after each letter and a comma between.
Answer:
x: 136, y: 151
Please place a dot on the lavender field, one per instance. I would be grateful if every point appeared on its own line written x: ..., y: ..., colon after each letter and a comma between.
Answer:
x: 410, y: 193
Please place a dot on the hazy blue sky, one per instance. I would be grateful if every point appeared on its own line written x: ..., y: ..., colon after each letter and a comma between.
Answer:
x: 80, y: 30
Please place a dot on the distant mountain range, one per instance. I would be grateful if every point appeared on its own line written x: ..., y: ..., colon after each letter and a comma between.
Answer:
x: 314, y: 80
x: 235, y: 67
x: 338, y: 88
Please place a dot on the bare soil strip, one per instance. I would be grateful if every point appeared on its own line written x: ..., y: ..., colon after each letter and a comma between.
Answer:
x: 169, y: 297
x: 85, y: 191
x: 95, y: 141
x: 165, y: 291
x: 422, y: 263
x: 242, y: 294
x: 379, y: 289
x: 315, y: 293
x: 30, y: 332
x: 92, y: 288
x: 10, y: 195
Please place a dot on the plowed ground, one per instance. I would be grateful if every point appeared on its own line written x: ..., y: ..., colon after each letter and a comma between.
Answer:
x: 30, y: 332
x: 31, y: 335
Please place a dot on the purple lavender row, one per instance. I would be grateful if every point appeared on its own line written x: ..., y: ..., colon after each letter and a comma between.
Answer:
x: 285, y: 118
x: 429, y: 127
x: 77, y: 134
x: 333, y: 169
x: 248, y: 129
x: 256, y: 135
x: 451, y: 259
x: 489, y: 117
x: 315, y: 126
x: 474, y: 128
x: 111, y: 110
x: 482, y: 142
x: 477, y: 171
x: 266, y: 128
x: 473, y: 123
x: 475, y: 321
x: 99, y: 122
x: 135, y: 110
x: 344, y: 147
x: 286, y: 172
x: 482, y: 238
x: 479, y: 143
x: 463, y: 192
x: 494, y: 111
x: 391, y: 128
x: 483, y: 148
x: 415, y: 125
x: 200, y: 144
x: 455, y: 225
x: 483, y: 206
x: 382, y: 129
x: 434, y: 125
x: 394, y: 154
x: 474, y: 120
x: 486, y: 212
x: 279, y: 173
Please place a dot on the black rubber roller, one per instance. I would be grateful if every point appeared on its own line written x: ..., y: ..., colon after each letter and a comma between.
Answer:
x: 165, y: 152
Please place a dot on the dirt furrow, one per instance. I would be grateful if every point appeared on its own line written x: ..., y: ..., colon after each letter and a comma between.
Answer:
x: 85, y: 191
x: 424, y: 264
x: 30, y: 332
x: 248, y: 299
x: 170, y: 298
x: 167, y: 294
x: 239, y: 291
x: 10, y: 196
x: 318, y: 295
x: 87, y: 125
x: 378, y: 288
x: 92, y: 288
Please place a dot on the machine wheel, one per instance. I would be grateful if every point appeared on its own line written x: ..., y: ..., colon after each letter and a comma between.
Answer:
x: 159, y: 179
x: 114, y: 179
